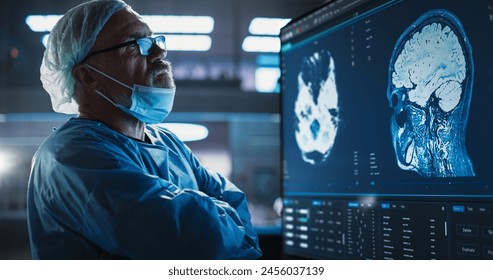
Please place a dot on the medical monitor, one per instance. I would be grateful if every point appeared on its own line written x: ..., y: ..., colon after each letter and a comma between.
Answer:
x: 387, y: 130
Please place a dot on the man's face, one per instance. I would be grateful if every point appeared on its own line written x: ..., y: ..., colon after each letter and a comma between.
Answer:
x: 127, y: 64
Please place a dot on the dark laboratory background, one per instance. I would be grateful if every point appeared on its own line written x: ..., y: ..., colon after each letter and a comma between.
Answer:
x: 229, y: 87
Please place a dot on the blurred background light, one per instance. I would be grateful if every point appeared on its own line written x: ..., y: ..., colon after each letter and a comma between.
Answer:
x: 44, y: 39
x: 266, y: 79
x: 6, y: 160
x: 14, y: 53
x: 188, y: 42
x: 271, y: 60
x: 42, y: 23
x: 261, y: 44
x: 187, y: 131
x: 158, y: 23
x: 179, y: 24
x: 267, y: 26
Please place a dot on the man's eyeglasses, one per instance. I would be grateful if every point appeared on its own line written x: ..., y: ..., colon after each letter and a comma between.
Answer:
x: 145, y: 45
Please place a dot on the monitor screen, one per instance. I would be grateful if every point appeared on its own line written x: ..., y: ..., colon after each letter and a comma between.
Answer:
x: 386, y: 130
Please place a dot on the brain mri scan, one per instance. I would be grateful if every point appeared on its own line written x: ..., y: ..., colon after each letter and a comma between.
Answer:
x: 316, y: 108
x: 429, y: 91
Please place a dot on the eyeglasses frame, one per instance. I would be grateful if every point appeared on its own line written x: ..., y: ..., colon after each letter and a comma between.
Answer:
x: 153, y: 40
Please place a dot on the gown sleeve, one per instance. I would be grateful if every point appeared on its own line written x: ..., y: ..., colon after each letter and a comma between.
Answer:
x: 220, y: 188
x: 101, y: 191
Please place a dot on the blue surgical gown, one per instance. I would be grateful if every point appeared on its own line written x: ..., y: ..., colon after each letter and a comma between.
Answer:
x: 96, y: 194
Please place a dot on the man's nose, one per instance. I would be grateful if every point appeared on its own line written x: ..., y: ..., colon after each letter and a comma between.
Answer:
x: 157, y: 53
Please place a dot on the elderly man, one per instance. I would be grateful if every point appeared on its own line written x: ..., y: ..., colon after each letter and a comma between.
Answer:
x: 108, y: 183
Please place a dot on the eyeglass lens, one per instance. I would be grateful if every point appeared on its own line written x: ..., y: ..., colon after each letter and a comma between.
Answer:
x: 145, y: 44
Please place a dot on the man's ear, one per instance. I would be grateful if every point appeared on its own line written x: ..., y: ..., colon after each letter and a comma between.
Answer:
x: 84, y: 76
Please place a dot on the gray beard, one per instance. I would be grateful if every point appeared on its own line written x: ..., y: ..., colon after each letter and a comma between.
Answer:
x: 168, y: 81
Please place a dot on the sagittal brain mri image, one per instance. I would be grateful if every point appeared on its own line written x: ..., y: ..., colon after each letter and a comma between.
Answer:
x: 430, y: 89
x: 316, y: 108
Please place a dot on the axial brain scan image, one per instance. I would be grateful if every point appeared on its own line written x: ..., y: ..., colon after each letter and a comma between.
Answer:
x: 316, y: 108
x: 430, y: 88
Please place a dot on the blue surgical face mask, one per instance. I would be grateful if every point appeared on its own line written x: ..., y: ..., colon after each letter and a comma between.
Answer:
x: 150, y: 105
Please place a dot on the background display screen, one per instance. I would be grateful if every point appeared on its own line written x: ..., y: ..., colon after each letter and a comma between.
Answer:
x: 386, y: 130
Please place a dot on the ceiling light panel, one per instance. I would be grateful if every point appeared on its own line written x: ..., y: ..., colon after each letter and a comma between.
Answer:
x: 267, y: 26
x: 180, y: 24
x: 158, y: 23
x: 175, y: 42
x: 261, y: 44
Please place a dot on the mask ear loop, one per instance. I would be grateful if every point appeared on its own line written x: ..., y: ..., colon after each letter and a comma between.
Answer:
x: 106, y: 97
x: 111, y: 78
x: 107, y: 76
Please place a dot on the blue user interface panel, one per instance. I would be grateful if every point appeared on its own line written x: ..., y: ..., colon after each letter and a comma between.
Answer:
x: 386, y: 130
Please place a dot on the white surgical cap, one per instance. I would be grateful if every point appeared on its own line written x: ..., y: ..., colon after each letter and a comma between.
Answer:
x: 69, y: 42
